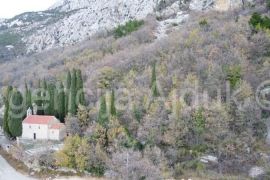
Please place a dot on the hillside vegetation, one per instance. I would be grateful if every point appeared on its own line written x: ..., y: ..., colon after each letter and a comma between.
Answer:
x: 155, y: 107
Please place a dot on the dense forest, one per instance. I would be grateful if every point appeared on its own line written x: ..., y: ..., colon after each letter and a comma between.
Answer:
x: 141, y: 108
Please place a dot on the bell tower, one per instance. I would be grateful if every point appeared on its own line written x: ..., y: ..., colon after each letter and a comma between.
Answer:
x: 29, y: 112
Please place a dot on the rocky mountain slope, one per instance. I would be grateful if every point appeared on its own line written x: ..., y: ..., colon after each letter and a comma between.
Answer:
x: 71, y: 21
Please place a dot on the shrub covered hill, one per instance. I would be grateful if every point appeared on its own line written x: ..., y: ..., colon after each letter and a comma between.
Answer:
x: 165, y: 99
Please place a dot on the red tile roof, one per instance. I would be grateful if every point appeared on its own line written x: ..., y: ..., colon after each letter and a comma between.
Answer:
x: 57, y: 126
x: 36, y: 119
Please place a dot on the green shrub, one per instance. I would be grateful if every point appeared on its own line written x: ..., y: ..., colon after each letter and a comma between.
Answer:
x: 203, y: 22
x: 265, y: 114
x: 139, y: 112
x: 132, y: 142
x: 255, y: 19
x: 234, y: 75
x: 260, y: 129
x: 200, y: 148
x: 130, y: 26
x: 97, y: 170
x: 188, y: 98
x: 199, y: 120
x: 258, y: 22
x: 193, y: 164
x: 178, y: 170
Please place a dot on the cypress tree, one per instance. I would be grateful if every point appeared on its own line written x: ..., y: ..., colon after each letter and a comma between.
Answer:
x: 68, y: 80
x: 113, y: 109
x: 199, y: 123
x: 38, y: 99
x: 27, y: 97
x: 72, y: 95
x: 56, y: 93
x: 154, y: 88
x: 44, y: 84
x: 102, y: 115
x: 16, y: 113
x: 49, y: 103
x: 44, y: 94
x: 154, y: 77
x: 66, y: 101
x: 79, y: 87
x: 5, y: 119
x: 61, y: 102
x: 155, y: 91
x: 67, y: 91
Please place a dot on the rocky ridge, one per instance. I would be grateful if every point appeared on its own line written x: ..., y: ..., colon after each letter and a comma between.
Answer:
x: 71, y: 21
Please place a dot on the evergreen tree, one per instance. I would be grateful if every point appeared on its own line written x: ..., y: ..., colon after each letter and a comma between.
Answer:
x: 113, y: 109
x: 154, y: 77
x: 79, y: 87
x: 154, y: 87
x: 16, y: 113
x: 68, y: 80
x: 27, y: 97
x: 199, y: 124
x: 139, y: 112
x: 199, y: 120
x: 44, y: 95
x: 102, y: 115
x: 61, y: 102
x: 44, y: 84
x: 39, y: 99
x: 155, y: 91
x: 66, y: 101
x: 6, y: 101
x: 72, y: 95
x: 49, y: 103
x: 67, y: 91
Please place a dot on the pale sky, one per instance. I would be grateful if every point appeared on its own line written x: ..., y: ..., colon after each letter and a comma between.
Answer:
x: 10, y: 8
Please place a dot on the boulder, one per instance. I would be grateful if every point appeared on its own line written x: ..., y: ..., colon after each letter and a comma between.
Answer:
x: 209, y: 159
x: 169, y: 11
x: 256, y: 171
x: 219, y: 5
x: 225, y: 5
x: 200, y: 5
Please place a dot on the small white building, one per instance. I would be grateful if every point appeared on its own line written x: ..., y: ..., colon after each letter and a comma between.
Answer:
x: 42, y: 127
